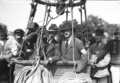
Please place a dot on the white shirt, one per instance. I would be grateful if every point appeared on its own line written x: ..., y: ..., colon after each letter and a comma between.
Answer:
x: 13, y: 45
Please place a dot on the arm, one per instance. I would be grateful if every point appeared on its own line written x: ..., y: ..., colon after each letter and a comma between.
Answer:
x: 83, y: 60
x: 57, y: 54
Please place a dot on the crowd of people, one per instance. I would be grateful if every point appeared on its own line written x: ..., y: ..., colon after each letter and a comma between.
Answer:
x: 57, y: 44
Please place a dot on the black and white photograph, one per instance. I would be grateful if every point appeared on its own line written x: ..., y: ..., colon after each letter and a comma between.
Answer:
x: 59, y: 41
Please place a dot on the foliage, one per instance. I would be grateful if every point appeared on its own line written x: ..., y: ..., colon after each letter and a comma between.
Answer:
x: 93, y: 22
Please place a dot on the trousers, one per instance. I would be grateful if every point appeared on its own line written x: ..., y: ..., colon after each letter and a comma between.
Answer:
x: 115, y: 73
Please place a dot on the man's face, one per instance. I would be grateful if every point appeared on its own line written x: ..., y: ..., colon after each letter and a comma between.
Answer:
x: 98, y: 37
x: 67, y: 33
x: 51, y: 35
x: 18, y: 37
x: 117, y: 36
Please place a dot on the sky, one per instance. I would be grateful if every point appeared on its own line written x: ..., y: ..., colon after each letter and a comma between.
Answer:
x: 15, y: 13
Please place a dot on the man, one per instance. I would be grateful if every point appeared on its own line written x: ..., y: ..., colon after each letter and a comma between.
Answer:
x: 99, y: 71
x: 4, y: 69
x: 13, y: 45
x: 52, y: 47
x: 67, y: 48
x: 113, y: 47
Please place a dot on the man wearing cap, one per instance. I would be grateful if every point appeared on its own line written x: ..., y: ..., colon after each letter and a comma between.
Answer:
x: 13, y: 45
x: 99, y: 71
x: 67, y: 48
x: 52, y: 46
x: 112, y: 47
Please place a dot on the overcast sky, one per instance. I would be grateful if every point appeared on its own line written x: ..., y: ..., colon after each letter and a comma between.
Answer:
x: 15, y: 13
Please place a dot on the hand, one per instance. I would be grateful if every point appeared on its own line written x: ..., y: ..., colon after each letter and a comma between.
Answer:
x: 65, y: 61
x: 90, y: 62
x: 93, y: 61
x: 46, y: 61
x: 77, y: 71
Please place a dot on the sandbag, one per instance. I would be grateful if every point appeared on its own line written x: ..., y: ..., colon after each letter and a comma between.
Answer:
x: 71, y: 77
x: 40, y: 75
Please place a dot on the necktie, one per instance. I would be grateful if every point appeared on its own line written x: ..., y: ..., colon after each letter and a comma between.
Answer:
x: 66, y: 44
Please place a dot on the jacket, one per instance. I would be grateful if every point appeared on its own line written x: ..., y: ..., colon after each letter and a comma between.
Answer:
x: 101, y: 68
x: 53, y: 51
x: 112, y: 47
x: 79, y: 50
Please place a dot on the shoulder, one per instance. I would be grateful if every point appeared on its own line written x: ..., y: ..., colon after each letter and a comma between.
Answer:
x: 11, y: 40
x: 78, y: 40
x: 110, y: 42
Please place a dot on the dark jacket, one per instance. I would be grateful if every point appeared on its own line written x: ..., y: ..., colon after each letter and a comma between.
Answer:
x: 52, y: 50
x: 101, y: 70
x: 112, y: 47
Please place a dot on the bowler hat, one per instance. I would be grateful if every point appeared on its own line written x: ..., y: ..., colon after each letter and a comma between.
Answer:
x: 65, y: 27
x: 19, y: 31
x: 53, y: 28
x: 117, y: 31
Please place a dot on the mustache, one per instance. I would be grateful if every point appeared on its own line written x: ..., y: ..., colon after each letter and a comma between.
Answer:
x: 65, y: 33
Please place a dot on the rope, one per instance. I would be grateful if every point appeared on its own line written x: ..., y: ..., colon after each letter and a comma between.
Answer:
x: 67, y: 14
x: 73, y: 39
x: 73, y: 44
x: 39, y: 39
x: 31, y: 17
x: 34, y: 74
x: 26, y: 72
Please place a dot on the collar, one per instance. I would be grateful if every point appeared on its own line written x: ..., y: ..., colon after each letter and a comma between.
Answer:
x: 1, y: 42
x: 69, y: 39
x: 50, y: 41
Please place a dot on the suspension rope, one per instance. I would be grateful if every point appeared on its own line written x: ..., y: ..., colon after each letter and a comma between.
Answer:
x: 67, y: 14
x: 51, y: 18
x: 88, y: 50
x: 31, y: 17
x: 80, y: 10
x: 39, y: 41
x: 73, y: 42
x: 73, y: 39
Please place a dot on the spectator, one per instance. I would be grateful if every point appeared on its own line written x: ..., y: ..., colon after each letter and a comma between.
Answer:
x: 99, y: 71
x: 112, y: 47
